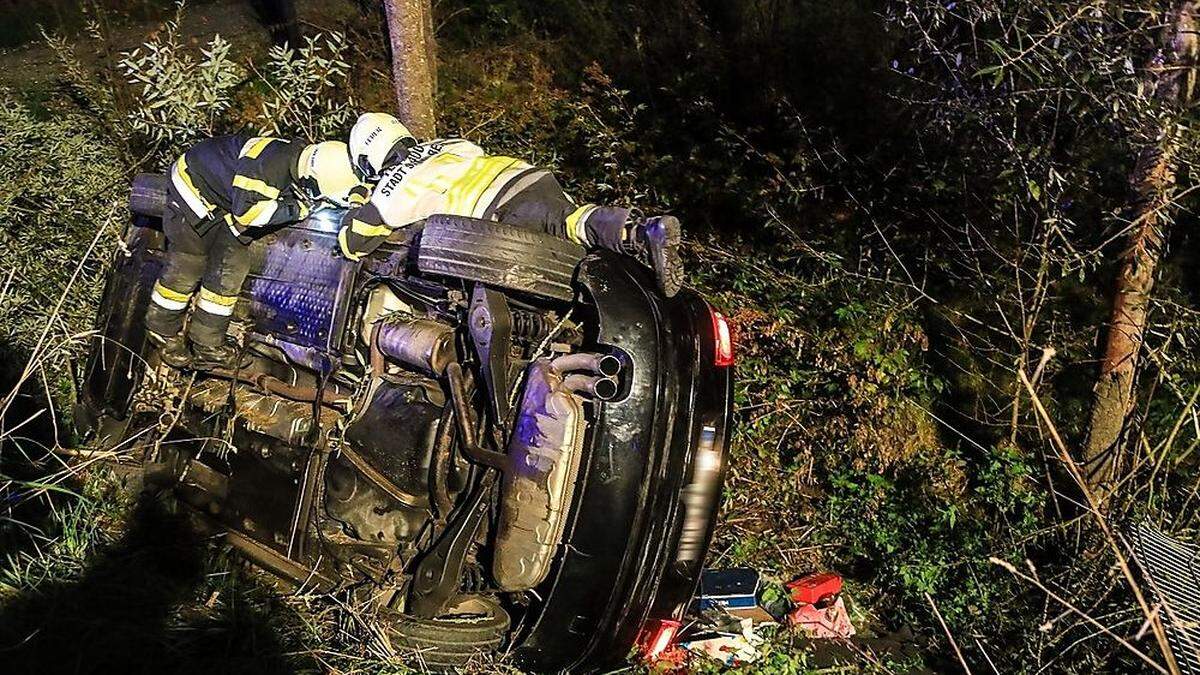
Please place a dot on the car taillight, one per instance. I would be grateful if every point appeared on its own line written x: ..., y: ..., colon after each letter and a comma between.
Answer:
x: 657, y: 635
x: 722, y: 339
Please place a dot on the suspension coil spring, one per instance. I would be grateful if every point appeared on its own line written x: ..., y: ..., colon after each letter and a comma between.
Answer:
x: 473, y: 580
x: 530, y: 326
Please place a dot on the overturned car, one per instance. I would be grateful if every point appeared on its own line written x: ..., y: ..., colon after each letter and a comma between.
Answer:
x: 515, y: 445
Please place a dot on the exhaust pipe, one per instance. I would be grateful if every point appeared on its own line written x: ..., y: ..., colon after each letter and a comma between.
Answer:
x: 599, y: 388
x: 605, y: 365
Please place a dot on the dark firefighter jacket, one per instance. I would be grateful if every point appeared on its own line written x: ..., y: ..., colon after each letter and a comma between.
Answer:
x: 450, y: 176
x: 246, y: 181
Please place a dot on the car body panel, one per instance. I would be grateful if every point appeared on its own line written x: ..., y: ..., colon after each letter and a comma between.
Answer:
x: 627, y: 524
x: 299, y: 291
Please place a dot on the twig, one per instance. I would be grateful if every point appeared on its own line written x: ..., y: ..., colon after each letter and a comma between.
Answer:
x: 1012, y: 569
x: 953, y: 643
x: 1094, y: 508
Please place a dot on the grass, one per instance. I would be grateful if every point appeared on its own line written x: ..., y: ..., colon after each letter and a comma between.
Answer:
x: 840, y: 459
x: 131, y: 588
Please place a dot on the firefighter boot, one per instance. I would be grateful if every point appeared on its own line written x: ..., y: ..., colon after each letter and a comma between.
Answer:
x: 225, y: 356
x: 655, y: 241
x: 172, y: 350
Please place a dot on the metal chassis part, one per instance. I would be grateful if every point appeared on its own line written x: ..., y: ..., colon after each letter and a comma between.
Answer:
x: 437, y: 575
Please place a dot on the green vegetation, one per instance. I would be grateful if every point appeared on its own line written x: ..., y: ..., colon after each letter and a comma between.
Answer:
x: 898, y: 209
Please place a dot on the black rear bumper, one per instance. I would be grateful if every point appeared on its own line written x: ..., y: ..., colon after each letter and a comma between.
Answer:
x: 642, y: 523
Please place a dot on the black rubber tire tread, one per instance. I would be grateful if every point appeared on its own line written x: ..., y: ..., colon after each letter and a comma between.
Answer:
x: 446, y: 643
x: 501, y: 255
x: 148, y: 195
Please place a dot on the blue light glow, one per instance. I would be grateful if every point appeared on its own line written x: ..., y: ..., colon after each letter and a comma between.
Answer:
x: 326, y: 218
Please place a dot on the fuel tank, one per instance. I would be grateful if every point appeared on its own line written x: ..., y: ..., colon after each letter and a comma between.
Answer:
x: 394, y: 436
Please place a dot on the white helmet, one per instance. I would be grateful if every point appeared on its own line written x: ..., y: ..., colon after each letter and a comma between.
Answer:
x: 377, y: 141
x: 324, y: 171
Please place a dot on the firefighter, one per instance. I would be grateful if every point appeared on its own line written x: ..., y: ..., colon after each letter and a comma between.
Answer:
x: 221, y: 195
x: 454, y: 176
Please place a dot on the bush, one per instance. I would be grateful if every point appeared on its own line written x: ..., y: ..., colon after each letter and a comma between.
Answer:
x: 181, y: 97
x: 62, y: 194
x: 308, y: 90
x: 65, y: 165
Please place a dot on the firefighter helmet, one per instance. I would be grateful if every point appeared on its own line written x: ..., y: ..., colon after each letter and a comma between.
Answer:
x: 377, y: 141
x: 324, y: 172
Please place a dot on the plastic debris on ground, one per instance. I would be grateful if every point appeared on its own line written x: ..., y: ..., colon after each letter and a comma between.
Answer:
x: 814, y: 588
x: 829, y: 622
x: 728, y: 648
x: 736, y: 590
x: 819, y: 610
x: 730, y: 603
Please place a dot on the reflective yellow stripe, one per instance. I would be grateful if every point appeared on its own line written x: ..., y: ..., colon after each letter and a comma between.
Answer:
x: 170, y: 294
x: 258, y: 213
x: 255, y: 185
x: 434, y: 175
x: 576, y: 231
x: 469, y: 186
x: 365, y: 229
x: 254, y: 147
x: 464, y: 195
x: 182, y: 170
x: 234, y: 227
x: 342, y: 243
x: 213, y: 307
x: 217, y: 299
x: 172, y: 301
x: 359, y: 195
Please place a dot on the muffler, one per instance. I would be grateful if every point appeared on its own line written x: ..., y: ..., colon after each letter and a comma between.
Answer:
x: 421, y: 343
x: 544, y: 455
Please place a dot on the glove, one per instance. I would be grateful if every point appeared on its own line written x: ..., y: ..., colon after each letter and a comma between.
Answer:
x: 359, y: 195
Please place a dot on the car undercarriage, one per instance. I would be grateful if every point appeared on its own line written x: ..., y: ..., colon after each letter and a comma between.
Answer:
x: 510, y: 443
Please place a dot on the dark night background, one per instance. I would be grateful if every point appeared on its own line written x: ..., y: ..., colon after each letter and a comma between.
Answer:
x: 899, y: 204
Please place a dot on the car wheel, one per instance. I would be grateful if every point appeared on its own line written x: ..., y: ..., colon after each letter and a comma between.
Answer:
x: 473, y: 626
x: 516, y: 258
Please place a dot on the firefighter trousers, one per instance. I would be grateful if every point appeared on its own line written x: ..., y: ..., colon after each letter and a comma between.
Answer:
x: 204, y: 255
x: 543, y: 205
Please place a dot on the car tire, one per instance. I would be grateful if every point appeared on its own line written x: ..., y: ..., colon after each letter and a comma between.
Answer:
x: 472, y: 628
x: 148, y: 196
x: 517, y: 258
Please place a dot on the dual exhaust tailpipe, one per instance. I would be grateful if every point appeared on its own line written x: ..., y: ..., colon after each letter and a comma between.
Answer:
x: 429, y: 346
x: 601, y: 384
x: 594, y: 386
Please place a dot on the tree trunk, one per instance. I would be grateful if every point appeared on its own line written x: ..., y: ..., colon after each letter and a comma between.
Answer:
x: 1170, y: 78
x: 414, y: 63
